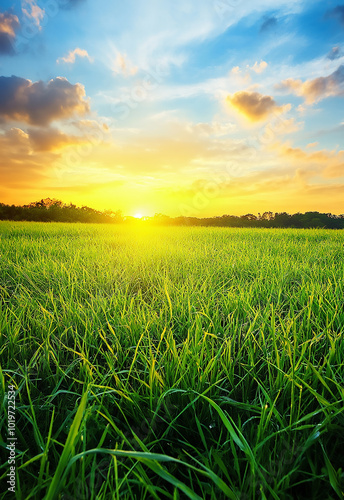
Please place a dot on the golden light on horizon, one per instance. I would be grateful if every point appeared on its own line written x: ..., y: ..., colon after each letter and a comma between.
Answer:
x: 247, y: 139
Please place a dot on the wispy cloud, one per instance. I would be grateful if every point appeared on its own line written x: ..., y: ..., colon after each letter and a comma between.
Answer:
x: 122, y: 65
x: 335, y: 53
x: 259, y: 67
x: 33, y: 11
x: 268, y: 23
x: 70, y: 4
x: 72, y: 54
x: 242, y: 75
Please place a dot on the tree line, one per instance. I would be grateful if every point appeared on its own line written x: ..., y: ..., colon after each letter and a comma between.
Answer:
x: 267, y: 219
x: 52, y: 210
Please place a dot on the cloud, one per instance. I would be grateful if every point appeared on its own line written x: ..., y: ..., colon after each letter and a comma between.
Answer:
x: 335, y: 53
x: 280, y: 127
x: 150, y: 168
x: 284, y: 179
x: 33, y: 159
x: 51, y: 139
x: 337, y: 13
x: 256, y: 68
x: 40, y: 103
x: 242, y: 76
x: 329, y: 164
x: 20, y: 167
x: 166, y: 150
x: 211, y: 129
x: 33, y: 12
x: 254, y: 106
x: 36, y: 140
x: 90, y: 125
x: 30, y: 159
x: 289, y: 85
x: 268, y: 23
x: 239, y: 77
x: 317, y: 89
x: 70, y: 4
x: 122, y: 65
x: 259, y: 67
x: 9, y: 23
x: 70, y: 57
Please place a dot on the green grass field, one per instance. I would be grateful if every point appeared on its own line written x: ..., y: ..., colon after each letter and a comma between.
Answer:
x: 173, y: 362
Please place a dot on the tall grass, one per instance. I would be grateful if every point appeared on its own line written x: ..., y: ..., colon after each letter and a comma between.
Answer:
x: 173, y: 362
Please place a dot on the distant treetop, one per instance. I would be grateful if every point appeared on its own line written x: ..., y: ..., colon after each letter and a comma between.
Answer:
x: 52, y: 210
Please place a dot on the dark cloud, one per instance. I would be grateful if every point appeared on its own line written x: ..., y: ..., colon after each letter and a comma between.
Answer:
x: 268, y: 23
x: 6, y: 46
x: 334, y: 53
x: 40, y: 103
x: 9, y: 23
x: 337, y: 13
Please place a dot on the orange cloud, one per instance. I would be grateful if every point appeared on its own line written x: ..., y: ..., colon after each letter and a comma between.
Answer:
x: 29, y: 161
x: 328, y: 164
x: 254, y: 106
x: 317, y: 89
x: 9, y: 23
x: 51, y: 139
x: 40, y: 103
x: 71, y: 56
x: 20, y: 167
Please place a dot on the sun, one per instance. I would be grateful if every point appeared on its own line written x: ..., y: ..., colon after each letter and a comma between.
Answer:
x: 138, y: 215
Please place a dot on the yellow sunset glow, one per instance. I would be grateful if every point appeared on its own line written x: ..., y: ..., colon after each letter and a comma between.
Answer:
x: 261, y: 133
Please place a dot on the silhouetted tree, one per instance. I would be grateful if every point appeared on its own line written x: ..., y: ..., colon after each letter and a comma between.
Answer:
x: 52, y: 210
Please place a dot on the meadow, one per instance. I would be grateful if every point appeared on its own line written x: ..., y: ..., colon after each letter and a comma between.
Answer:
x: 166, y: 363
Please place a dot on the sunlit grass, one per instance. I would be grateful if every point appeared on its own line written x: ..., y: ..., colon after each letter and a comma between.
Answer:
x: 173, y: 362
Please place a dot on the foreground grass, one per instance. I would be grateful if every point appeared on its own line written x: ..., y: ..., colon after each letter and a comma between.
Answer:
x: 173, y: 362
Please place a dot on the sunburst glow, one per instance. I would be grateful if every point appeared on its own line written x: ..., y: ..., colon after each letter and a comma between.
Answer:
x: 208, y: 110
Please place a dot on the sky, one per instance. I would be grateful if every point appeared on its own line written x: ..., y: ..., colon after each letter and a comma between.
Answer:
x: 194, y: 108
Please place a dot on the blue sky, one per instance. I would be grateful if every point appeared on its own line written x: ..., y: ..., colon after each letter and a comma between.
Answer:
x: 183, y: 107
